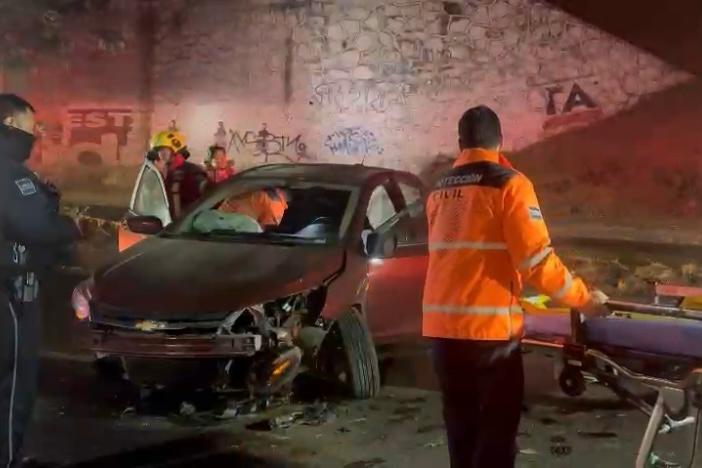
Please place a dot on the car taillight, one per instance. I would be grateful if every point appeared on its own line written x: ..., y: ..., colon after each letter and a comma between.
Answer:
x: 80, y: 299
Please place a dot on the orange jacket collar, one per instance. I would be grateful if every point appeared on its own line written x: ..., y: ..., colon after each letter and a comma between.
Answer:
x: 478, y: 154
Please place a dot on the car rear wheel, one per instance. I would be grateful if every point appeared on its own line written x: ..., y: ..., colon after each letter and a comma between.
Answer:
x: 356, y: 365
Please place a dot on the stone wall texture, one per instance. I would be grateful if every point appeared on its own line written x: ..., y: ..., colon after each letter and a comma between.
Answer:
x: 309, y: 80
x: 386, y: 82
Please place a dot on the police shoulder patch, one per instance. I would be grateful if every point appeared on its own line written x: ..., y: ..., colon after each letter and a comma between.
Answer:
x: 26, y: 186
x: 535, y: 213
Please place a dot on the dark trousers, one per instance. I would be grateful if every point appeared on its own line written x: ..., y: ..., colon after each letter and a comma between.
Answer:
x: 19, y: 362
x: 482, y: 386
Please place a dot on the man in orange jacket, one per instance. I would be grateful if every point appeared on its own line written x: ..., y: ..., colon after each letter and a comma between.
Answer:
x: 486, y: 237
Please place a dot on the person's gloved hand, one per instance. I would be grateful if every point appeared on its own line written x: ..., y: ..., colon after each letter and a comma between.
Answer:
x: 596, y: 307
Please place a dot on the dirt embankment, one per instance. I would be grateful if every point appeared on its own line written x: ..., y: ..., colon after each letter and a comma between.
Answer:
x: 640, y: 168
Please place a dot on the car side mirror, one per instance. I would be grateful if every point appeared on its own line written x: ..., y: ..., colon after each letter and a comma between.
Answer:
x: 148, y: 225
x: 379, y: 246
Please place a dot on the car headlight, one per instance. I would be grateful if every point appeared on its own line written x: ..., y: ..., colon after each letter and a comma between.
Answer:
x: 81, y: 297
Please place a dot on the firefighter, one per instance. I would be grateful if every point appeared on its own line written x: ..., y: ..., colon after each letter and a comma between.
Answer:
x: 219, y: 167
x: 185, y: 181
x: 32, y: 235
x: 487, y: 237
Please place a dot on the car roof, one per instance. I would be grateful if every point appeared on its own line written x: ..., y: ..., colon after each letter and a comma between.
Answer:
x: 353, y: 174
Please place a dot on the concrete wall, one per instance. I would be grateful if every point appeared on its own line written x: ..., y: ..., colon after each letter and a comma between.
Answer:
x: 340, y: 81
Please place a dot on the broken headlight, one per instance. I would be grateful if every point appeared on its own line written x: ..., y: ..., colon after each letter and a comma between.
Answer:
x: 243, y: 320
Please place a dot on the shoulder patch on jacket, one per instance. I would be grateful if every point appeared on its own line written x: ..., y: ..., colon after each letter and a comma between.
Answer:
x: 483, y: 173
x: 535, y: 213
x: 26, y: 186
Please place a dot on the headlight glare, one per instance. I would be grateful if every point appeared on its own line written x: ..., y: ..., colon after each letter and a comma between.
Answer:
x: 81, y: 297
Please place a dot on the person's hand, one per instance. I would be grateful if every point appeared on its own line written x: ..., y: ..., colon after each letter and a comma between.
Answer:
x: 596, y: 307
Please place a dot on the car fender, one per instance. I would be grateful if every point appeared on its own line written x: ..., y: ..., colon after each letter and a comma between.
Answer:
x: 348, y: 288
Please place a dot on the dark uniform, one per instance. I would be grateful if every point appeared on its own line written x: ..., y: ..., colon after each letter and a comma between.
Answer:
x: 185, y: 185
x: 32, y: 235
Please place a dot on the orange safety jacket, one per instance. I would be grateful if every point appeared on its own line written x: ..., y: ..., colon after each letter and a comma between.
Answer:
x: 266, y: 208
x: 486, y: 237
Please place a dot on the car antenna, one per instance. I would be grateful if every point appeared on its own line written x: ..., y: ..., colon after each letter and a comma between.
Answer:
x: 363, y: 160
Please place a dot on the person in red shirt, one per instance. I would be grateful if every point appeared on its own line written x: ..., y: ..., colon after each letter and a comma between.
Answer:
x: 219, y: 167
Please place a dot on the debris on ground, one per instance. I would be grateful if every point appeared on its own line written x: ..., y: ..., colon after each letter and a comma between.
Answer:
x: 313, y: 415
x: 318, y: 414
x: 247, y: 407
x: 186, y: 409
x: 435, y: 443
x: 560, y: 448
x: 280, y: 422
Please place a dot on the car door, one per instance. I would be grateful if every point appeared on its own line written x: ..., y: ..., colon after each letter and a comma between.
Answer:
x: 148, y: 199
x: 396, y: 283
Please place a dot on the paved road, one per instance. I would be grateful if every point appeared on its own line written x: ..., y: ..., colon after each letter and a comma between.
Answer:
x: 83, y: 420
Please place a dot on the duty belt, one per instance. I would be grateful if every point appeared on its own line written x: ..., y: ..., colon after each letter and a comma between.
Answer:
x: 24, y: 287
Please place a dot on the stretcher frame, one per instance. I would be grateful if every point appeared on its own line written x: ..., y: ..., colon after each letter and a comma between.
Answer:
x: 678, y: 402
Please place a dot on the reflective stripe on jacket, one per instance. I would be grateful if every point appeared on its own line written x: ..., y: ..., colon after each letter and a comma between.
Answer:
x: 487, y: 236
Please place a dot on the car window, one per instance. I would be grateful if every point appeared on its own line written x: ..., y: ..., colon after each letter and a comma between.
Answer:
x: 409, y: 225
x: 150, y: 199
x: 410, y: 193
x: 273, y: 211
x: 380, y: 207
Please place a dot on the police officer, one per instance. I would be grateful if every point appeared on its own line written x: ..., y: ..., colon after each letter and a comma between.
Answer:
x: 32, y: 234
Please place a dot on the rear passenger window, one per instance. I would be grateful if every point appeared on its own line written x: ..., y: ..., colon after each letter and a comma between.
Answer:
x: 410, y: 193
x: 380, y: 207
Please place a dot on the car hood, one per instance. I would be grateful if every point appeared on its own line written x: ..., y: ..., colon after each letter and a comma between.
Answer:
x: 178, y: 279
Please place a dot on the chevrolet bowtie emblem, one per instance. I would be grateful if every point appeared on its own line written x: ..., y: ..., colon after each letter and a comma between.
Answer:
x: 149, y: 325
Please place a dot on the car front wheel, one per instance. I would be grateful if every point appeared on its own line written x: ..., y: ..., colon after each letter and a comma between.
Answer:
x: 356, y: 363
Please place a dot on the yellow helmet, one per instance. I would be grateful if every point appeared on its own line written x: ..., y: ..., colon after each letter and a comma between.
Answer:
x: 168, y: 139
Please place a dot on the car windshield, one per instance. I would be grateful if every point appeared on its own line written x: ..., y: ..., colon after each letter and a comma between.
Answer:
x: 272, y: 211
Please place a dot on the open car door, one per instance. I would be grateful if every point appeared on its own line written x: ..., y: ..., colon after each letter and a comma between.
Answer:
x: 396, y: 282
x: 149, y: 198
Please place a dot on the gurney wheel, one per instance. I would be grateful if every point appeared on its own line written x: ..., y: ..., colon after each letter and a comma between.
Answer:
x: 572, y: 381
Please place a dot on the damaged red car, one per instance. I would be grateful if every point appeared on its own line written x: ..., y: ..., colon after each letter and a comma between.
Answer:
x: 283, y: 269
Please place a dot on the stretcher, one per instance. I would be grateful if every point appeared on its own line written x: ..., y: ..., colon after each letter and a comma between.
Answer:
x: 656, y: 346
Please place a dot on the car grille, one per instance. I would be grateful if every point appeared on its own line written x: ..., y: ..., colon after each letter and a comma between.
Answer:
x: 108, y: 317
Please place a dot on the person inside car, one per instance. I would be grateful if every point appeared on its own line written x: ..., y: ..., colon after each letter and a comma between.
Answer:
x: 266, y: 206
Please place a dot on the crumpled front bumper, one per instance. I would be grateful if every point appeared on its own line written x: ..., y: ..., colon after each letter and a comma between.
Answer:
x: 142, y: 344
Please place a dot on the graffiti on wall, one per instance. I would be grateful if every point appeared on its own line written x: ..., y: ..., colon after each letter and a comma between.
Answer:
x: 89, y: 125
x: 578, y: 107
x: 266, y: 145
x: 88, y: 135
x: 353, y: 141
x: 361, y: 95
